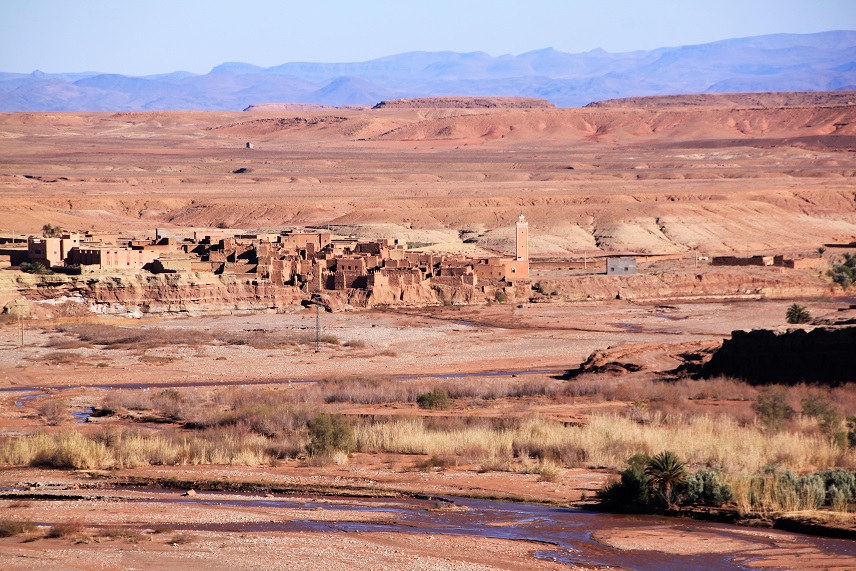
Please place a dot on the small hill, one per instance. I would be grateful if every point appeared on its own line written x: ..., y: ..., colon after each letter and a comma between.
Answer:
x: 466, y: 103
x: 289, y: 107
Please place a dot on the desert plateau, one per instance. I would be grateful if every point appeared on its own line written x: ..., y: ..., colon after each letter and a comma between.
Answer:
x: 395, y: 337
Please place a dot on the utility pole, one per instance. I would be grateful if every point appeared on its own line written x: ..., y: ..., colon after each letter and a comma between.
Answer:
x: 19, y: 305
x: 317, y: 301
x: 317, y: 328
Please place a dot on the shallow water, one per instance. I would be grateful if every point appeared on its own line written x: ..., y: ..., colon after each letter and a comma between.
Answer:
x: 566, y: 533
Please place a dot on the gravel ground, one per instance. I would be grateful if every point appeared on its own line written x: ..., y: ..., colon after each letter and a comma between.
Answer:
x: 432, y: 341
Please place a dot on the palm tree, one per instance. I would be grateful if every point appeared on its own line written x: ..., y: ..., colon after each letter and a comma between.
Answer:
x: 798, y: 314
x: 666, y: 469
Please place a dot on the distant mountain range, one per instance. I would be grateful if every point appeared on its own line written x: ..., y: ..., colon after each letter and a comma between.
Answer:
x: 782, y: 62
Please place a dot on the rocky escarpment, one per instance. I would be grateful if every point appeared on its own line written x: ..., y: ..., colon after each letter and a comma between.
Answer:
x: 138, y: 294
x: 130, y: 293
x: 737, y: 100
x: 814, y: 354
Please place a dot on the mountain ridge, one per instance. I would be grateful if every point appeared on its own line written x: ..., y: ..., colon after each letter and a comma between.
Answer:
x: 778, y: 62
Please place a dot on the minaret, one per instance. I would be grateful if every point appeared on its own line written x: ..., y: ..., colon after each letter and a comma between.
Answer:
x: 522, y: 239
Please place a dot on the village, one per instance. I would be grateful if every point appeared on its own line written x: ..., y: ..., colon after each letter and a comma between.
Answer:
x: 316, y: 260
x: 309, y: 259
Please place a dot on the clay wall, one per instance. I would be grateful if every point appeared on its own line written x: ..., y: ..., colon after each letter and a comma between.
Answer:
x: 377, y: 280
x: 454, y: 271
x: 209, y: 267
x: 402, y: 277
x: 489, y: 269
x: 516, y: 269
x: 801, y: 264
x: 17, y: 256
x: 300, y: 240
x: 349, y: 280
x: 111, y: 257
x: 45, y: 251
x: 735, y: 261
x: 451, y: 281
x: 171, y: 265
x: 357, y: 265
x: 101, y: 238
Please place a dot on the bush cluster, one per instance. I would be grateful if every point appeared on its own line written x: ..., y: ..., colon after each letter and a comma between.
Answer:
x: 35, y: 268
x: 773, y: 409
x: 844, y: 273
x: 437, y: 399
x: 785, y: 490
x: 662, y: 481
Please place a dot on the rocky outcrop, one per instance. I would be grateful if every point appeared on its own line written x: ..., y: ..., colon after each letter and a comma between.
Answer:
x: 813, y: 354
x: 666, y: 360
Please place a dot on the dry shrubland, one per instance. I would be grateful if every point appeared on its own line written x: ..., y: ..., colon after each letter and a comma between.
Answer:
x: 244, y: 426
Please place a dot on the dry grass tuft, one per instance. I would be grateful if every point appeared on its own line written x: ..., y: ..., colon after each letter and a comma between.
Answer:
x: 181, y: 539
x: 19, y: 504
x: 54, y: 411
x: 128, y: 534
x: 13, y: 527
x: 548, y: 471
x: 65, y: 529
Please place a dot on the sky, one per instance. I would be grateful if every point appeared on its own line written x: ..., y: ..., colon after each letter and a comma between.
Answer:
x: 143, y: 37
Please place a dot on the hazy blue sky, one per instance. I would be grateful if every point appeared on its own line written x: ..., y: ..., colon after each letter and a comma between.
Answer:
x: 139, y: 37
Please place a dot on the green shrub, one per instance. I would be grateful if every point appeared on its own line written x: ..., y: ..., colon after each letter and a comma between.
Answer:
x: 828, y: 419
x: 329, y: 433
x: 850, y: 422
x: 437, y: 399
x: 798, y: 314
x: 704, y: 488
x: 632, y: 490
x: 844, y: 273
x: 49, y: 231
x: 786, y: 491
x: 773, y: 409
x: 841, y: 483
x: 812, y: 491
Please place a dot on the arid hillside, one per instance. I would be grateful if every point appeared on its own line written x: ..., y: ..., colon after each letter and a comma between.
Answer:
x: 741, y: 100
x: 641, y: 179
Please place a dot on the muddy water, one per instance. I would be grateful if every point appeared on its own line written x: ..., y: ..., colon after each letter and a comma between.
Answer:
x: 565, y: 533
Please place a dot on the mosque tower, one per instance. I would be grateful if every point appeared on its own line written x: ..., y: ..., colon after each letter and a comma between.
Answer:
x: 522, y: 239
